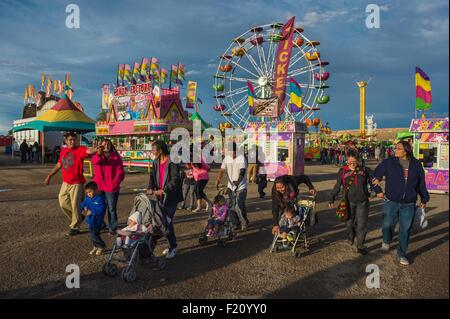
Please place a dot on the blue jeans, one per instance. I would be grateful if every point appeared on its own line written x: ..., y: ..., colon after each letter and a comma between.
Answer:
x: 94, y: 235
x: 111, y: 204
x: 237, y: 203
x: 170, y: 211
x: 403, y: 214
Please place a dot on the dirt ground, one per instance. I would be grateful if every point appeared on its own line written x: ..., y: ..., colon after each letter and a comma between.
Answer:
x: 35, y: 251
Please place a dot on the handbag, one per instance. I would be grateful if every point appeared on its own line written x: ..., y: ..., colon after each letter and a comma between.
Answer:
x: 343, y: 208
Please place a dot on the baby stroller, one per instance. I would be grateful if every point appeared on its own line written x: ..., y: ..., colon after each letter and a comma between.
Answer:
x: 225, y: 232
x: 305, y: 206
x: 142, y: 244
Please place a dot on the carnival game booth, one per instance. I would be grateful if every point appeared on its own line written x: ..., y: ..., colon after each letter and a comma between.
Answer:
x: 288, y: 148
x: 431, y: 148
x: 135, y: 118
x: 63, y: 116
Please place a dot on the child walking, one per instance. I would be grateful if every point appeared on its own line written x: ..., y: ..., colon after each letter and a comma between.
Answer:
x: 94, y: 209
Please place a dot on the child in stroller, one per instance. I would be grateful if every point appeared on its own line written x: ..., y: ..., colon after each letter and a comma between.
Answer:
x: 293, y: 224
x: 219, y: 225
x: 147, y: 223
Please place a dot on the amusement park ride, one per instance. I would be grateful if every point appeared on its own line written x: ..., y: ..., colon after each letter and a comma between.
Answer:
x: 265, y: 60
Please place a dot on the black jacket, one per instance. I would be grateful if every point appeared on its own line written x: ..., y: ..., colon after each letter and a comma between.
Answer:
x: 172, y: 185
x: 293, y: 183
x: 359, y: 189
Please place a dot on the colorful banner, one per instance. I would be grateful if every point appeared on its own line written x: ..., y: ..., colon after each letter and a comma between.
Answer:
x: 145, y: 69
x: 42, y: 81
x: 127, y: 74
x: 120, y: 72
x: 136, y: 72
x: 191, y: 94
x: 106, y: 90
x: 282, y: 63
x: 48, y: 89
x: 173, y: 74
x: 433, y: 137
x: 296, y: 100
x: 181, y: 72
x: 423, y: 90
x: 250, y: 97
x: 154, y: 65
x: 429, y: 125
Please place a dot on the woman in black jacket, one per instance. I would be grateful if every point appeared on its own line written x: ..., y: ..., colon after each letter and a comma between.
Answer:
x: 165, y: 183
x: 357, y: 180
x: 284, y: 193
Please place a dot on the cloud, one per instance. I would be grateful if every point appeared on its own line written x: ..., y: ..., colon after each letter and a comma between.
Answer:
x: 314, y: 18
x: 192, y: 72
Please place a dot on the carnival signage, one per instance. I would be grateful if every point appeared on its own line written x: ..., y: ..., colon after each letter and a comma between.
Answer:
x: 143, y: 88
x: 429, y: 125
x: 282, y: 63
x: 265, y: 107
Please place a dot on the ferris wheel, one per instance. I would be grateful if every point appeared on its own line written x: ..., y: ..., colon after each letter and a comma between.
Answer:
x: 251, y: 58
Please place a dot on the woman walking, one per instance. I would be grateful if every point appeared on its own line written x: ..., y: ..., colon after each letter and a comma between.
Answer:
x: 108, y: 174
x: 201, y: 177
x: 165, y: 183
x: 355, y: 180
x: 405, y: 179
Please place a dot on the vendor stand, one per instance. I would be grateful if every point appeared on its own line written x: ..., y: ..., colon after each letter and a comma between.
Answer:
x: 431, y: 148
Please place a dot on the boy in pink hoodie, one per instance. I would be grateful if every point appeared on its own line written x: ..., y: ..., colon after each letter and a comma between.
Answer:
x: 108, y: 174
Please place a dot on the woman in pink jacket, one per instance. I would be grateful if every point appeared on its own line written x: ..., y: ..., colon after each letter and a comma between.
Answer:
x: 201, y: 177
x: 108, y: 174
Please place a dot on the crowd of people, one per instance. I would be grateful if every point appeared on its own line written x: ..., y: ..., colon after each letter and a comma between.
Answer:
x: 181, y: 186
x: 337, y: 154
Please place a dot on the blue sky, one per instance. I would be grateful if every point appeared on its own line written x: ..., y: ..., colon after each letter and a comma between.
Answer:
x: 34, y: 40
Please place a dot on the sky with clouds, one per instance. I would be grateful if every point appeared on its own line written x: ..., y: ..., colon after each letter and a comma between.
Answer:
x: 35, y: 40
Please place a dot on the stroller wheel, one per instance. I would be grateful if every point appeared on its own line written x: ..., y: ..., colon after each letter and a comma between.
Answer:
x: 129, y: 275
x: 161, y: 263
x: 110, y: 269
x: 202, y: 239
x: 221, y: 243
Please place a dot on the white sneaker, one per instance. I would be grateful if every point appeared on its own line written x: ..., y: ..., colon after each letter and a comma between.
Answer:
x: 170, y: 253
x: 93, y: 251
x: 403, y: 261
x: 385, y: 247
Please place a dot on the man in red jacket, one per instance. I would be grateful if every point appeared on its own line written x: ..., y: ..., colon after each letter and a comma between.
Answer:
x: 71, y: 193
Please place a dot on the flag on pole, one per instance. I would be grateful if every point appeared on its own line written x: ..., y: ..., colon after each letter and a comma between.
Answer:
x: 163, y: 76
x: 154, y: 65
x: 145, y: 70
x: 48, y: 89
x: 191, y: 94
x: 181, y: 72
x: 127, y: 74
x: 423, y: 90
x: 55, y: 86
x: 60, y: 87
x: 120, y: 72
x: 67, y: 84
x: 173, y: 73
x: 136, y: 72
x: 250, y: 95
x: 42, y: 81
x: 296, y: 103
